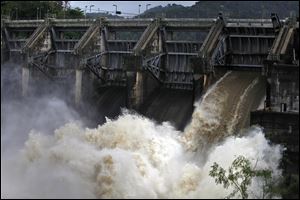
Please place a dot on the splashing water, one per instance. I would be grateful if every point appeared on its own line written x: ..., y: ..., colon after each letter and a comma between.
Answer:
x: 222, y: 109
x: 133, y: 157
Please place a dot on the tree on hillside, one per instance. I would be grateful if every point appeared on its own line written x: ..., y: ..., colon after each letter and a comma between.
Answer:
x: 39, y: 9
x: 232, y: 9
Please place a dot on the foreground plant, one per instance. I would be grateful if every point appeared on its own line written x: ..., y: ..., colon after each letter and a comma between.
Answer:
x: 240, y: 175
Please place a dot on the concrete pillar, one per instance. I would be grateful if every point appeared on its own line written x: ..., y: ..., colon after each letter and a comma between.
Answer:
x: 207, y: 80
x: 25, y: 81
x: 78, y: 86
x: 131, y: 78
x: 138, y: 89
x: 139, y: 86
x: 103, y: 47
x: 160, y: 41
x: 199, y: 82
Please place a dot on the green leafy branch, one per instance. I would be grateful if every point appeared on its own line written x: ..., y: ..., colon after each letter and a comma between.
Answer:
x: 240, y: 175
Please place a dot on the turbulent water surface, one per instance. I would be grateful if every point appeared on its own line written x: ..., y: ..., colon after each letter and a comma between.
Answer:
x: 132, y: 156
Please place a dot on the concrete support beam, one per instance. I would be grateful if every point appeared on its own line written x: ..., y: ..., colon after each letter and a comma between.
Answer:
x: 130, y: 75
x: 146, y: 37
x: 281, y: 43
x: 160, y: 41
x: 140, y: 85
x: 86, y: 38
x: 103, y: 45
x: 35, y: 37
x: 138, y: 89
x: 198, y: 85
x: 136, y: 82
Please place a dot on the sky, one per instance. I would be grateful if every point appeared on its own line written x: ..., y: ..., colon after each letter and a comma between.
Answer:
x: 124, y: 6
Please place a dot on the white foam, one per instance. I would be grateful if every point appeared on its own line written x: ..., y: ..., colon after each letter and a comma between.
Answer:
x: 130, y: 157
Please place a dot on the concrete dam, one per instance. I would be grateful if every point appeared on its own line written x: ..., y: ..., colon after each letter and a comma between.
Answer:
x: 137, y: 56
x: 188, y: 84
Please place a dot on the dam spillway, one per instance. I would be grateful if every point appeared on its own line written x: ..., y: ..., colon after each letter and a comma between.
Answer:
x: 156, y: 56
x: 155, y: 99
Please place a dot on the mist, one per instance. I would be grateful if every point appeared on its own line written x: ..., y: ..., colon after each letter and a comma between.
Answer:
x: 48, y: 151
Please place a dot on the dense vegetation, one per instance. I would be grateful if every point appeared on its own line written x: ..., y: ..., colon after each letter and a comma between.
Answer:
x: 232, y: 9
x: 39, y: 9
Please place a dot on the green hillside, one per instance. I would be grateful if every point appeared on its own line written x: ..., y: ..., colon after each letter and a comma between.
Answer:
x: 232, y: 9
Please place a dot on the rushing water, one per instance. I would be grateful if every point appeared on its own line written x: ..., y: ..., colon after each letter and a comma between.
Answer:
x: 132, y: 156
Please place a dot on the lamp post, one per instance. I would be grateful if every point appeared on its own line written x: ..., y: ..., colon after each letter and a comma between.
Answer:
x: 222, y: 7
x: 16, y: 13
x: 37, y: 13
x: 91, y: 8
x: 40, y: 12
x: 116, y: 7
x: 262, y: 12
x: 147, y: 6
x: 85, y: 14
x: 139, y: 8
